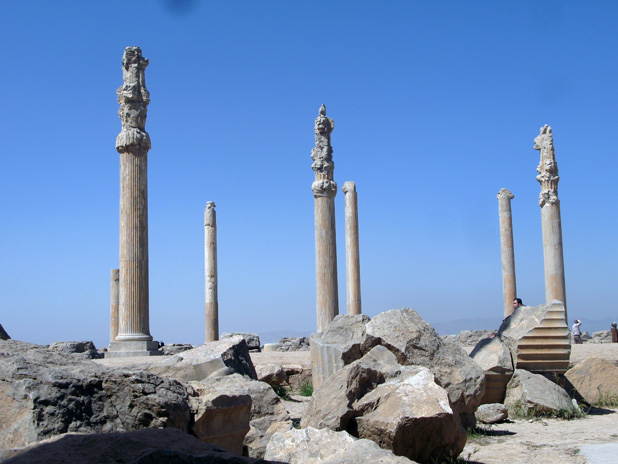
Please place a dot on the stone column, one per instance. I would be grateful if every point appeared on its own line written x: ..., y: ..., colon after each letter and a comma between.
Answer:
x: 509, y: 289
x: 324, y: 191
x: 133, y: 143
x: 210, y: 250
x: 113, y: 305
x: 352, y: 249
x: 550, y: 218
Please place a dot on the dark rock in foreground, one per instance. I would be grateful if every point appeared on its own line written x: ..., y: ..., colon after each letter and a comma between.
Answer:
x: 149, y: 446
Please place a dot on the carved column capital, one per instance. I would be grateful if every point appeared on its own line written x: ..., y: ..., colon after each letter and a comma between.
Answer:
x: 322, y: 156
x: 505, y: 193
x: 548, y: 168
x: 133, y: 98
x: 210, y: 205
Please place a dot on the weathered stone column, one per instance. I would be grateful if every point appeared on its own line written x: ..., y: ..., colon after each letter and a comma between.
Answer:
x: 210, y: 250
x: 133, y: 143
x: 550, y: 218
x: 352, y: 249
x: 324, y: 191
x: 509, y: 289
x: 113, y: 304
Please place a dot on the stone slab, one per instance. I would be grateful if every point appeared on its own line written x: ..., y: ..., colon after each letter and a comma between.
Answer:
x: 127, y: 349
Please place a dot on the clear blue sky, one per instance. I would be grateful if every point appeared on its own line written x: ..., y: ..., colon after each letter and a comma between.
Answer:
x: 436, y: 105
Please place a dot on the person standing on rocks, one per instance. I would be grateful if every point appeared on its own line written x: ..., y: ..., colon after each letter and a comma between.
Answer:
x: 614, y: 332
x: 577, y: 335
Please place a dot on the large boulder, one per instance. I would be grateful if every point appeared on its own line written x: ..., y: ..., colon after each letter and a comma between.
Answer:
x: 342, y: 342
x: 250, y: 427
x: 252, y: 339
x: 293, y: 344
x: 415, y: 342
x: 324, y: 446
x: 149, y: 446
x: 596, y: 380
x: 472, y: 337
x: 221, y: 357
x: 602, y: 336
x: 399, y: 407
x: 44, y: 393
x: 85, y: 350
x: 494, y: 357
x: 533, y: 393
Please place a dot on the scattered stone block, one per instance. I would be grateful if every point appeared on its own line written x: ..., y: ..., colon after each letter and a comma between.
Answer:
x: 324, y: 446
x: 272, y: 374
x: 596, y: 380
x: 491, y: 413
x: 293, y: 344
x: 175, y: 348
x: 252, y: 339
x: 527, y: 391
x: 85, y: 350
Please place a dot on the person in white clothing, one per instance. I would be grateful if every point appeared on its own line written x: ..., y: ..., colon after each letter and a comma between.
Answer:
x: 577, y: 335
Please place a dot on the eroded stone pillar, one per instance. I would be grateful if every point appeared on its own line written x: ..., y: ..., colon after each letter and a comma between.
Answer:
x: 509, y: 288
x: 113, y: 304
x: 324, y: 191
x: 133, y: 143
x: 352, y: 249
x: 550, y: 218
x: 210, y: 250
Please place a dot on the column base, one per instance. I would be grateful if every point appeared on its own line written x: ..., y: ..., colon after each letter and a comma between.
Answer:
x: 126, y: 349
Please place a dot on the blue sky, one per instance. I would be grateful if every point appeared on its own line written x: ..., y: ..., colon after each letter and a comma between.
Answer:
x: 436, y: 105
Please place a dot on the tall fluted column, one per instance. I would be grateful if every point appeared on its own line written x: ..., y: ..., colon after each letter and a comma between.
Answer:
x: 509, y: 288
x: 550, y: 218
x: 133, y: 144
x: 113, y: 304
x: 324, y: 191
x: 352, y: 249
x: 210, y: 250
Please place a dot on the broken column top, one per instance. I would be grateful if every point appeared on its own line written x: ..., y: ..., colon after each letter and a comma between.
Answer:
x: 210, y: 205
x: 349, y: 186
x: 322, y: 156
x: 133, y: 98
x: 548, y: 168
x: 505, y: 193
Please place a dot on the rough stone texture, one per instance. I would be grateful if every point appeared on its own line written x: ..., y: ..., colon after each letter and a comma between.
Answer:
x: 3, y: 334
x: 533, y: 391
x: 272, y: 374
x: 293, y: 344
x: 343, y: 341
x: 313, y: 446
x: 220, y: 357
x: 175, y: 348
x: 85, y: 350
x: 494, y: 357
x: 491, y: 413
x: 149, y: 446
x: 414, y: 342
x: 412, y: 417
x: 324, y: 190
x: 44, y: 393
x: 399, y: 407
x: 534, y: 338
x: 266, y: 413
x: 252, y: 339
x: 472, y: 337
x: 595, y: 380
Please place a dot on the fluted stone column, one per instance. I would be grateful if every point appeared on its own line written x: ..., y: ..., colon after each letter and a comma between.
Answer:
x: 352, y: 249
x: 324, y: 191
x: 210, y: 250
x: 550, y: 218
x: 509, y: 288
x: 113, y: 304
x: 133, y: 143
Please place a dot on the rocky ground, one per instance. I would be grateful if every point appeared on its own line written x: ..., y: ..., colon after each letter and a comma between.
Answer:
x: 518, y: 441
